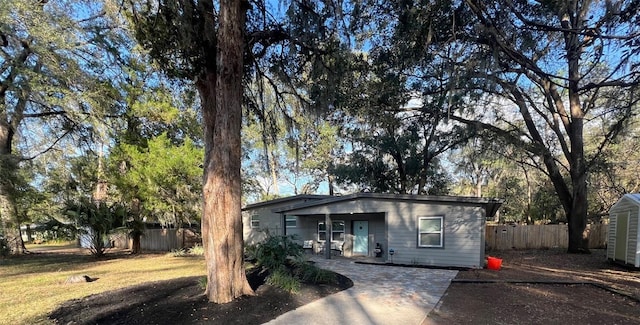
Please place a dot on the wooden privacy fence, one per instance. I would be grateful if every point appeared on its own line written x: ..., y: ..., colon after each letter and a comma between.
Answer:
x: 504, y: 237
x: 160, y: 239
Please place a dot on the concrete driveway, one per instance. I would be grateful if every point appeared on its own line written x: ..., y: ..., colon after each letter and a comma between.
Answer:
x: 380, y: 295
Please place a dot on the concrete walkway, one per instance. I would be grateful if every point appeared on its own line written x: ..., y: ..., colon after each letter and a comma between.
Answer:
x: 380, y: 295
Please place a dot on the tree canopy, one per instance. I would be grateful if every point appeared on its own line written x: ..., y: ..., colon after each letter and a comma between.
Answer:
x: 55, y: 65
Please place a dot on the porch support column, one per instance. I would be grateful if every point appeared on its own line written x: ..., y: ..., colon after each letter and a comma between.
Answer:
x: 284, y: 224
x: 327, y: 242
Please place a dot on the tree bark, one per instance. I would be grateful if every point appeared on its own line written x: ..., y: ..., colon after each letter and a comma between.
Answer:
x: 137, y: 226
x: 9, y: 226
x: 577, y: 217
x: 221, y: 95
x: 135, y: 243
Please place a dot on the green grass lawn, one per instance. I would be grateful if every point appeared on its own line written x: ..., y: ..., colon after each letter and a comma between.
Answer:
x: 32, y: 286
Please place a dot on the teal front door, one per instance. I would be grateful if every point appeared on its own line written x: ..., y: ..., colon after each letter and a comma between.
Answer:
x: 361, y: 238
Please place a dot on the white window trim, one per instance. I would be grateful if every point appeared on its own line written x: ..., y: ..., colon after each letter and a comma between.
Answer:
x: 343, y: 231
x: 441, y: 218
x: 291, y: 218
x: 255, y: 219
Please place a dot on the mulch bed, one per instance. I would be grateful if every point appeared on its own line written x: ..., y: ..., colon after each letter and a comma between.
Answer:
x: 182, y: 301
x: 543, y: 287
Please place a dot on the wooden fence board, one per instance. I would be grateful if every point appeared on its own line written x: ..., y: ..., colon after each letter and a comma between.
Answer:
x: 160, y: 239
x: 598, y: 234
x: 504, y: 237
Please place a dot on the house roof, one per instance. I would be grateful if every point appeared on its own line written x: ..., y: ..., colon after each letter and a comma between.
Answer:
x: 632, y: 197
x: 278, y: 201
x: 491, y: 204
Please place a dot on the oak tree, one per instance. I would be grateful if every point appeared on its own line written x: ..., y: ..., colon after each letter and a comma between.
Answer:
x: 534, y: 72
x: 54, y: 64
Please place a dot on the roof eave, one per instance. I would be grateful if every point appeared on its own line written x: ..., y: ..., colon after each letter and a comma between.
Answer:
x: 394, y: 197
x: 315, y: 197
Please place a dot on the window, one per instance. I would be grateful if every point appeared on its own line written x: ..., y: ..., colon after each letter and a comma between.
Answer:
x: 255, y: 221
x: 430, y: 232
x: 337, y: 231
x: 291, y: 221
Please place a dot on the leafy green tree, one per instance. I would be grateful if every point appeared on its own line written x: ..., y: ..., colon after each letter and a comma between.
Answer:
x: 53, y: 81
x: 615, y: 170
x: 165, y: 178
x: 489, y: 167
x: 293, y: 148
x: 155, y: 165
x: 313, y: 154
x: 398, y: 129
x: 545, y: 205
x: 534, y: 73
x: 209, y: 43
x: 396, y: 144
x: 393, y: 159
x: 523, y: 68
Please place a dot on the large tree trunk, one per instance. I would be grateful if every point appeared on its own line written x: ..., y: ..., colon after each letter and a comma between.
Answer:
x: 578, y: 234
x: 221, y: 94
x: 9, y: 227
x: 577, y: 218
x: 137, y: 226
x: 135, y: 243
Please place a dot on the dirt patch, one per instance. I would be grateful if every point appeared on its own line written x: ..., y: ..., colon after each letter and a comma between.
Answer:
x: 182, y: 301
x: 543, y: 287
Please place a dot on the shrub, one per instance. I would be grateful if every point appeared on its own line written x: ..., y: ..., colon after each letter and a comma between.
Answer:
x: 273, y: 253
x: 95, y: 220
x: 310, y: 273
x: 285, y: 261
x: 4, y: 247
x: 202, y: 282
x: 283, y: 279
x: 196, y: 250
x: 178, y: 252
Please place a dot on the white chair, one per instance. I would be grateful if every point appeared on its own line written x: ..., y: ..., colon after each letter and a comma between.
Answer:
x: 307, y: 244
x: 336, y: 248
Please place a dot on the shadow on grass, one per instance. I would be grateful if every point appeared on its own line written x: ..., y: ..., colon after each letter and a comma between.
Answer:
x: 57, y: 260
x: 43, y: 263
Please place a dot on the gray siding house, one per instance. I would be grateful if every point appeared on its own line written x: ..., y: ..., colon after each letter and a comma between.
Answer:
x: 408, y: 229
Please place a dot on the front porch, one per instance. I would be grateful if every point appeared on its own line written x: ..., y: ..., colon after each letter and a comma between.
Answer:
x: 347, y: 235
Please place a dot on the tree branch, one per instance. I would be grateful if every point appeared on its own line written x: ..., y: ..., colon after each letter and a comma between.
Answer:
x: 67, y: 132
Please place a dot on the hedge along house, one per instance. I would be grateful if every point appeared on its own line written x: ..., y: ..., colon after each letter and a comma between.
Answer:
x: 410, y: 229
x: 623, y: 243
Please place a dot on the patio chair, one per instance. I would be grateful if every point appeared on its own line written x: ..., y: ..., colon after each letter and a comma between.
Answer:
x: 307, y: 245
x: 336, y: 248
x: 319, y: 248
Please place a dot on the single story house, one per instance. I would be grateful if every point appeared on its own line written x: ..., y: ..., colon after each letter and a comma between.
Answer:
x: 445, y: 231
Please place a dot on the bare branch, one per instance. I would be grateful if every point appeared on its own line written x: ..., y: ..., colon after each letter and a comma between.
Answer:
x: 52, y: 146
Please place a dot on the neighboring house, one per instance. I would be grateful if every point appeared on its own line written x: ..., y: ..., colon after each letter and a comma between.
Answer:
x: 419, y: 229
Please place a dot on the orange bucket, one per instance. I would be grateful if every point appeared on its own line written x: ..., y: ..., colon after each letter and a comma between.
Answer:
x: 494, y: 263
